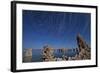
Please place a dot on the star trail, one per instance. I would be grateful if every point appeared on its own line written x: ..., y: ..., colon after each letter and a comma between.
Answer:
x: 57, y: 29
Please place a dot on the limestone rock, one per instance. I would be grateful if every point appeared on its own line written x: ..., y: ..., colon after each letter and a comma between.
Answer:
x: 27, y: 55
x: 48, y: 53
x: 84, y: 49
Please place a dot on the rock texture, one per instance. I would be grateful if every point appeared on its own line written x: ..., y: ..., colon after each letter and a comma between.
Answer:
x: 48, y: 53
x: 82, y: 52
x: 83, y: 49
x: 27, y: 55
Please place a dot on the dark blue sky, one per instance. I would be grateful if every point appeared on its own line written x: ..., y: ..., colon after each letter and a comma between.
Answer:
x: 57, y: 29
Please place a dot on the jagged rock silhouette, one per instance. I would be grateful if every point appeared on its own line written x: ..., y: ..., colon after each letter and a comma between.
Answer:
x: 83, y: 52
x: 83, y: 49
x: 48, y: 53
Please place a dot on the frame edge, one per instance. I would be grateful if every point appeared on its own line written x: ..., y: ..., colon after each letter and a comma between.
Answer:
x: 13, y: 36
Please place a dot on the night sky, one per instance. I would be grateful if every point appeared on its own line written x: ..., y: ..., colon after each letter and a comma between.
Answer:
x: 56, y: 29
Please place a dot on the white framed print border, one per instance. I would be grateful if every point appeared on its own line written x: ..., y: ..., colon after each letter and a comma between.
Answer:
x: 55, y: 12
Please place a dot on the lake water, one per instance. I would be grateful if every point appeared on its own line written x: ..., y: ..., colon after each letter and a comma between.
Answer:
x: 37, y: 54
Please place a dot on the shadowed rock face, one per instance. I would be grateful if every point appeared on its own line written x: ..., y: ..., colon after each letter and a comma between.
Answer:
x: 48, y: 53
x: 81, y: 43
x: 84, y: 49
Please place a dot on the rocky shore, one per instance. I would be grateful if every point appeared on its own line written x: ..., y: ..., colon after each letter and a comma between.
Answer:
x: 83, y: 52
